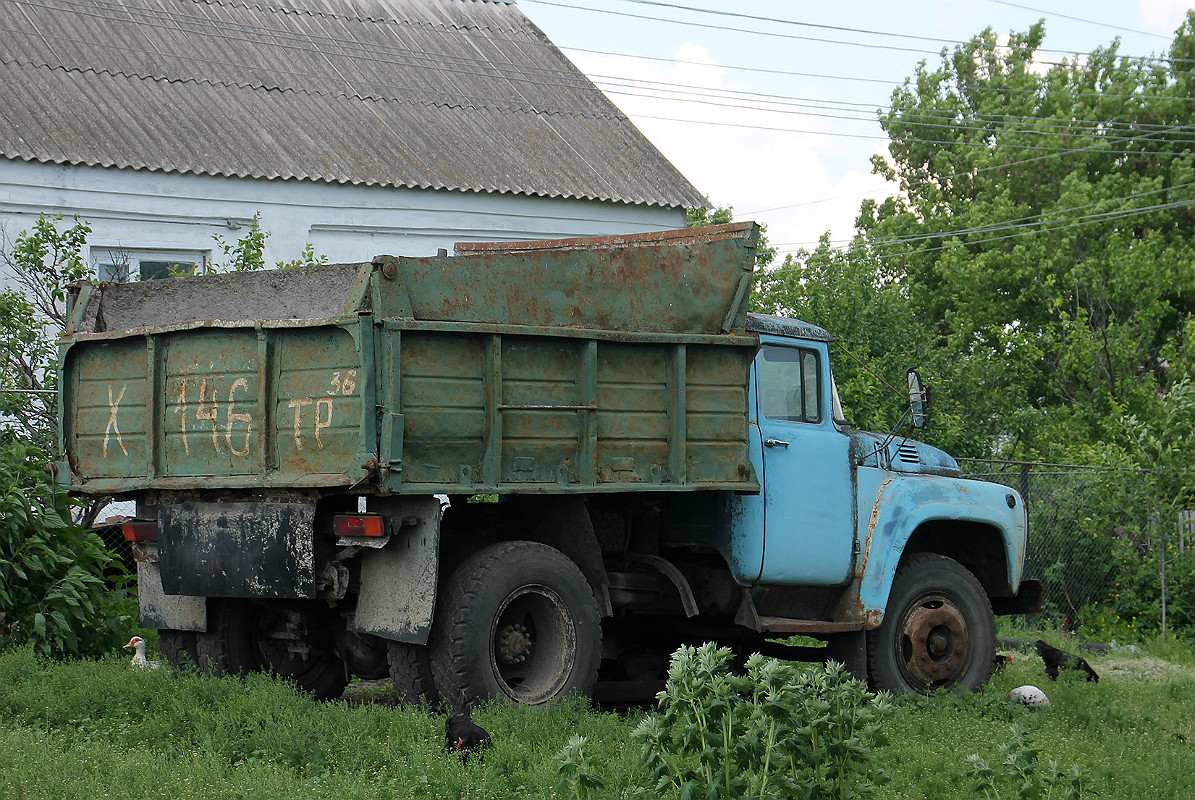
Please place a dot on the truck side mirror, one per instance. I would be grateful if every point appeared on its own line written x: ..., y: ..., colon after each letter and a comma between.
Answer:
x: 918, y: 400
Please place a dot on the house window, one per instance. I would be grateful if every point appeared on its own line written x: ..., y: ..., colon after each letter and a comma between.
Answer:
x: 120, y: 265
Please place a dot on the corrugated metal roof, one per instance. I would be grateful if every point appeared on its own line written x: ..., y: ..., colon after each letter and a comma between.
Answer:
x: 445, y: 94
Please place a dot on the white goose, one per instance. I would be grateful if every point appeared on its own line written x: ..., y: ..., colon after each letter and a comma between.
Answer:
x: 139, y: 659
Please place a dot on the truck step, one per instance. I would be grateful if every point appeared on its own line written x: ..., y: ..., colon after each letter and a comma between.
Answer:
x: 786, y: 625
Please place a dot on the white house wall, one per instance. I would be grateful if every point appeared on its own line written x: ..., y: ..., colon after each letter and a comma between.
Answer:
x: 138, y: 210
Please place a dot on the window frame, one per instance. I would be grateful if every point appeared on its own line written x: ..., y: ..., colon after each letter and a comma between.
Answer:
x: 806, y: 390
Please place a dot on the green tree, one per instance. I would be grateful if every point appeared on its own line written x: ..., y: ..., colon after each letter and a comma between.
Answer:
x: 52, y: 589
x: 1036, y: 260
x: 1043, y: 231
x: 42, y: 261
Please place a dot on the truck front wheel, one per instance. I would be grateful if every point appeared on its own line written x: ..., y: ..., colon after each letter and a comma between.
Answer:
x: 516, y: 621
x: 938, y: 630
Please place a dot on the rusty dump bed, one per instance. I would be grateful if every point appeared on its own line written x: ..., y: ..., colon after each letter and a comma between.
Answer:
x: 600, y: 364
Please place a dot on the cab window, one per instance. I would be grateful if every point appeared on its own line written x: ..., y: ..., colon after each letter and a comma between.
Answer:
x: 789, y: 384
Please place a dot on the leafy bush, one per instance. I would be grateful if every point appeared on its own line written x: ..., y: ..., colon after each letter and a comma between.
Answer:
x: 52, y: 590
x: 1018, y: 775
x: 779, y: 730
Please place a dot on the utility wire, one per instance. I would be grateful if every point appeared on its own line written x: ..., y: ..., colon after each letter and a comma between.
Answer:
x: 1009, y: 224
x: 1080, y: 19
x: 862, y: 108
x: 907, y: 119
x: 462, y: 65
x: 1036, y: 229
x: 616, y: 81
x: 986, y: 228
x: 1002, y: 90
x: 777, y: 34
x: 965, y: 174
x: 808, y: 132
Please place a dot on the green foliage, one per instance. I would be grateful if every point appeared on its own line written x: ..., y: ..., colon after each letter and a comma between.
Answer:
x: 307, y: 258
x: 79, y: 728
x: 1017, y: 775
x: 52, y: 590
x: 575, y: 771
x: 247, y: 254
x: 1035, y: 263
x: 43, y: 261
x: 775, y: 731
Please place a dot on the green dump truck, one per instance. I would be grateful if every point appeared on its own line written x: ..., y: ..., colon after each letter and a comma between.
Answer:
x: 501, y: 472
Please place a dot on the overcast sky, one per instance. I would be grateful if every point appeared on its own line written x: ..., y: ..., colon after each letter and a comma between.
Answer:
x: 682, y: 76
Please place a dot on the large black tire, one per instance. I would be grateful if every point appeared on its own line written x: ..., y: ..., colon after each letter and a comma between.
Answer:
x: 938, y: 630
x: 178, y: 648
x: 517, y: 621
x: 239, y: 640
x: 411, y: 673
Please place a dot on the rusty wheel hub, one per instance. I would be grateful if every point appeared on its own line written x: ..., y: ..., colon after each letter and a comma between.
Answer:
x: 933, y: 647
x: 514, y: 644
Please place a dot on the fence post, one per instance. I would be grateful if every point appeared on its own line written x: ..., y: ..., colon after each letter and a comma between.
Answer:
x: 1162, y: 571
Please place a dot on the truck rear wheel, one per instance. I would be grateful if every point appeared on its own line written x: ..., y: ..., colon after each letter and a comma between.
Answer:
x: 517, y: 621
x: 178, y: 648
x: 938, y: 630
x: 411, y: 673
x: 246, y: 637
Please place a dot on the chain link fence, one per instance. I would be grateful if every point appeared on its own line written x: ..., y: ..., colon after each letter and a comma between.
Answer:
x: 1096, y: 535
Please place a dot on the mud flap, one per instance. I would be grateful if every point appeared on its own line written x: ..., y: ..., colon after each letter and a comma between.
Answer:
x: 169, y: 611
x: 238, y: 549
x: 398, y: 583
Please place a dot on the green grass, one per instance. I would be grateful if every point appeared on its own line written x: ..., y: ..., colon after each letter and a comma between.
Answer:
x: 103, y: 730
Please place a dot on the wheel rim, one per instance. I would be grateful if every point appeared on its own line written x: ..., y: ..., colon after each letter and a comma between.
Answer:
x: 933, y: 649
x: 533, y: 644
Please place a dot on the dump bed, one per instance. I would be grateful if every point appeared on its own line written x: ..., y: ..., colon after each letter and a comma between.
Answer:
x: 600, y: 364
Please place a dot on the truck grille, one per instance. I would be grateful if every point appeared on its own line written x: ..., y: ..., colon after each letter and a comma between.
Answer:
x: 908, y: 454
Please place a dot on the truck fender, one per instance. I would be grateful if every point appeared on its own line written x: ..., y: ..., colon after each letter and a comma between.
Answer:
x: 903, y: 504
x: 397, y: 597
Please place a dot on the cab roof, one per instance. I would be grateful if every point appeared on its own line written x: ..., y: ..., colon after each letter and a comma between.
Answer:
x: 783, y: 326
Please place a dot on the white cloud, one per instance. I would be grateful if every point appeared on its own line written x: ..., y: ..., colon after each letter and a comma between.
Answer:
x: 748, y: 168
x: 1162, y: 16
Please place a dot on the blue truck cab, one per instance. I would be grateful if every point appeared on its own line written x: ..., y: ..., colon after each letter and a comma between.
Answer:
x: 908, y: 559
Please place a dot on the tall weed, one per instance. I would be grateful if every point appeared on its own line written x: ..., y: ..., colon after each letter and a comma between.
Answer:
x: 778, y: 730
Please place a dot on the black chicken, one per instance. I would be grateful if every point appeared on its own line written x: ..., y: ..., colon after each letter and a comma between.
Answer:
x: 1060, y: 659
x: 463, y: 735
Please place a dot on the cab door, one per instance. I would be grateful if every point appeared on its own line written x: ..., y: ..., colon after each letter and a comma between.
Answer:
x: 809, y: 493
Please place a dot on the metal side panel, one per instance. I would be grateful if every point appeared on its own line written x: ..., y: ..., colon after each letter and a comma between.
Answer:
x: 398, y: 582
x: 238, y: 549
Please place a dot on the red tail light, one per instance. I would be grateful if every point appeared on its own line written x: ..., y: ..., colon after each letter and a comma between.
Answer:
x: 358, y: 525
x: 139, y: 530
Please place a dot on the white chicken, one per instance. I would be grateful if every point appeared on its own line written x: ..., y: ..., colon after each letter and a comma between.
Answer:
x: 139, y: 659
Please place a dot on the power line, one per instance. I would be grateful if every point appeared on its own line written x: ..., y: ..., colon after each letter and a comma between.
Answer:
x: 774, y: 20
x: 739, y: 67
x: 1037, y: 228
x: 777, y: 34
x: 441, y: 99
x: 775, y: 129
x: 907, y: 119
x: 423, y: 60
x: 1007, y: 224
x: 968, y: 173
x: 1080, y: 19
